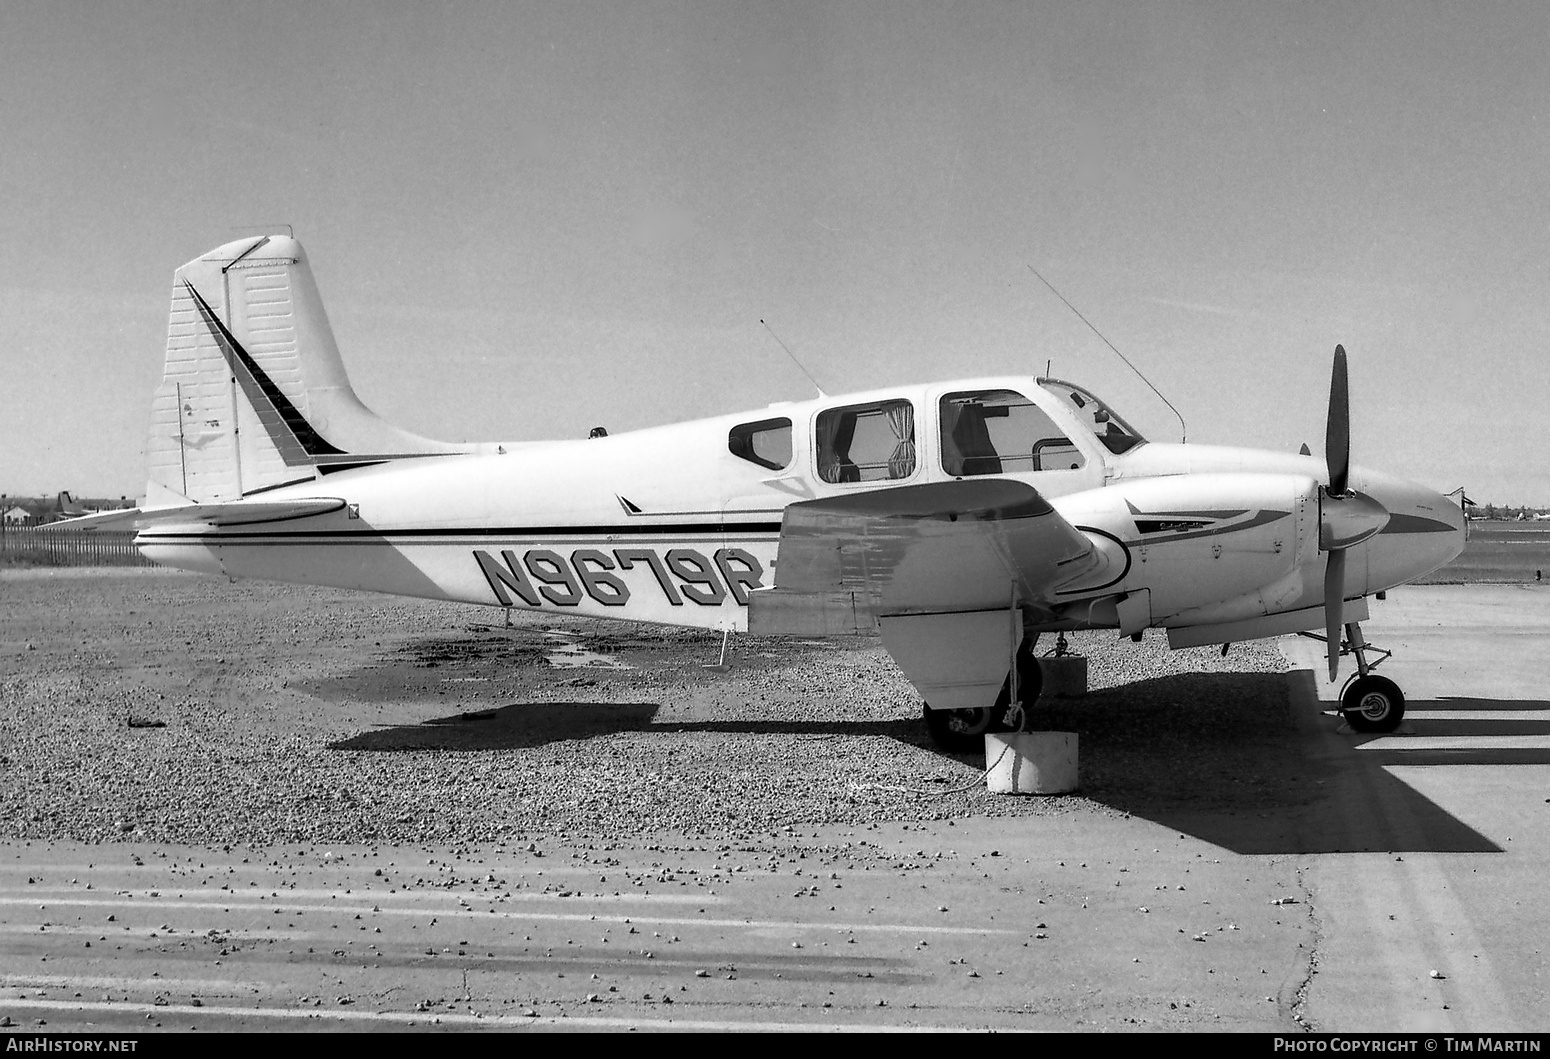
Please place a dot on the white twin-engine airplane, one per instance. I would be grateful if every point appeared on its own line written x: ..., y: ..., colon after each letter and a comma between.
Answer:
x: 959, y: 520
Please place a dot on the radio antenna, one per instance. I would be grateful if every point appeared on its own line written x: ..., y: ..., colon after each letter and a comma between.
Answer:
x: 1183, y: 430
x: 794, y: 359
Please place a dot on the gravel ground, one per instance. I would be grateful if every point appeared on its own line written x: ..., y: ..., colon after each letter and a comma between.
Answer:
x: 144, y: 705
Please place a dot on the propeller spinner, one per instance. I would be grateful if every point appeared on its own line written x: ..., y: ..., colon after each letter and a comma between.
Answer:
x: 1346, y: 517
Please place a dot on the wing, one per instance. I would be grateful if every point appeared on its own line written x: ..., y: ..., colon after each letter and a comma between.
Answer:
x: 944, y: 571
x: 237, y: 513
x: 845, y: 562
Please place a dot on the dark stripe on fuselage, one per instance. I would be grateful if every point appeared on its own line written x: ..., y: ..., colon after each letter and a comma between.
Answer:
x: 1216, y: 515
x: 1261, y: 518
x: 1416, y: 524
x: 481, y: 532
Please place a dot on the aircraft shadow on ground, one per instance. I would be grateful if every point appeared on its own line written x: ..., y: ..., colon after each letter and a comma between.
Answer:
x: 1249, y: 762
x: 533, y: 724
x: 1487, y: 718
x: 515, y: 727
x: 1322, y: 793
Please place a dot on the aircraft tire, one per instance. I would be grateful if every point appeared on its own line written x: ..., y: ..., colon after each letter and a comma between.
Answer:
x: 1373, y: 704
x: 1030, y: 682
x: 962, y: 731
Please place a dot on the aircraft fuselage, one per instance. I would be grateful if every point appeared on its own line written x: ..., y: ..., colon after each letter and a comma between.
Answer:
x: 681, y: 524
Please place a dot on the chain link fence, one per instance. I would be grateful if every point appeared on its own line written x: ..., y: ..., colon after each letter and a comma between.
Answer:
x: 40, y: 546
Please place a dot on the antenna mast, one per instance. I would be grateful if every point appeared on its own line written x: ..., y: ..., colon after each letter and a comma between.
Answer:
x: 1183, y: 430
x: 794, y: 359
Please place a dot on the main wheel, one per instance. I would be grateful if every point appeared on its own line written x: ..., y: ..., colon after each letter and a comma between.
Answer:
x: 962, y: 731
x: 1030, y: 682
x: 1373, y: 704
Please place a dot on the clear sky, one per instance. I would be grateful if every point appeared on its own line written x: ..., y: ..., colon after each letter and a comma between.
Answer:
x: 530, y: 218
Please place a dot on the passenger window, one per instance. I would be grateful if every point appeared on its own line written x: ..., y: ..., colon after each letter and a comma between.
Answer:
x: 767, y: 443
x: 867, y: 443
x: 1001, y: 432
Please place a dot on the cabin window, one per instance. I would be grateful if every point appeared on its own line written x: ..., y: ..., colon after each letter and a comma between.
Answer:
x: 1001, y: 432
x: 867, y: 443
x: 767, y: 443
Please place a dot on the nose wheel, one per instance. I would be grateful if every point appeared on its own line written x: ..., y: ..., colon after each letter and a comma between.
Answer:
x: 1372, y: 704
x: 1369, y: 703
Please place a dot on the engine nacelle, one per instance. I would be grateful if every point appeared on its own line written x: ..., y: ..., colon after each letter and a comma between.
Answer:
x: 1204, y: 548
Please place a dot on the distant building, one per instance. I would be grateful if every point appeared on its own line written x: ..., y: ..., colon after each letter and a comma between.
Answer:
x: 18, y: 516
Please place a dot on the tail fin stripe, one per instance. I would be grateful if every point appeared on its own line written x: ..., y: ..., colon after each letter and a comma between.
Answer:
x: 296, y: 439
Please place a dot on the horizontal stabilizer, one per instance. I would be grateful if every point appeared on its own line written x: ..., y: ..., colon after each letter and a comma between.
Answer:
x: 240, y: 513
x: 124, y: 519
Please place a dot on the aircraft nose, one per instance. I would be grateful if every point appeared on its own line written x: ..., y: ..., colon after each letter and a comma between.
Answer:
x: 1425, y: 530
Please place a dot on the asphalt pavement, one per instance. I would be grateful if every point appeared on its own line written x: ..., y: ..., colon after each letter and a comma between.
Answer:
x: 1404, y: 891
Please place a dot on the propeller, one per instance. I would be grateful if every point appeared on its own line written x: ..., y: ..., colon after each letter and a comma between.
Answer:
x: 1334, y: 603
x: 1346, y: 517
x: 1337, y: 431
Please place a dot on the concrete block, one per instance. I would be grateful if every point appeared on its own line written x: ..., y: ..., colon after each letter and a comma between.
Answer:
x: 1065, y: 676
x: 1030, y: 762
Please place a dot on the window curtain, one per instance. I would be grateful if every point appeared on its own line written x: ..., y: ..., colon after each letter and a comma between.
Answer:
x: 901, y: 420
x: 836, y: 430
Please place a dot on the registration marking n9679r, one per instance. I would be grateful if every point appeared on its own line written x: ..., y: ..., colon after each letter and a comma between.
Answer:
x: 544, y: 575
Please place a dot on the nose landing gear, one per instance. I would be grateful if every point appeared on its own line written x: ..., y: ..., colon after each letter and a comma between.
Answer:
x: 1372, y: 704
x: 1368, y: 703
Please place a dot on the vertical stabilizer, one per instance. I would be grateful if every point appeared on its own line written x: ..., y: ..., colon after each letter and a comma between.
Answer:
x: 255, y: 395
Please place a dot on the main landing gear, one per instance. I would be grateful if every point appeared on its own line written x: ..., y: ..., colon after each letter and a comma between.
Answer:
x: 1368, y: 703
x: 963, y: 731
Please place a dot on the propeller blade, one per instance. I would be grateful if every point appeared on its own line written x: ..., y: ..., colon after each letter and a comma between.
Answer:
x: 1337, y: 437
x: 1334, y: 604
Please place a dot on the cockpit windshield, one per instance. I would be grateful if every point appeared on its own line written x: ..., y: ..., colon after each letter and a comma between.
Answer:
x: 1117, y: 435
